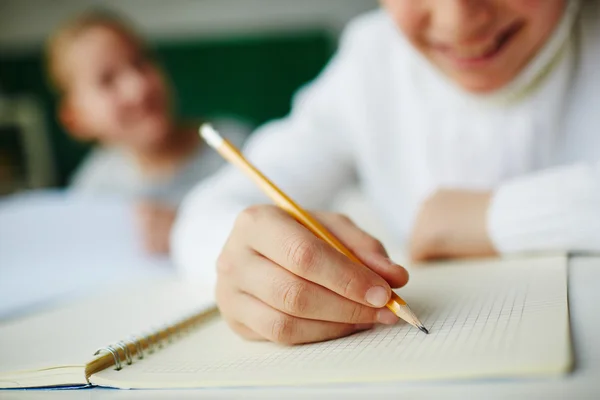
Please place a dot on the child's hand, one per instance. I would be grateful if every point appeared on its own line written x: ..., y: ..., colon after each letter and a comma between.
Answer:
x: 278, y: 281
x: 156, y: 221
x: 452, y: 224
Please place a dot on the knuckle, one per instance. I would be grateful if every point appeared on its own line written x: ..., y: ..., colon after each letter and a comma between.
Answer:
x: 254, y: 214
x: 248, y: 216
x: 344, y: 219
x: 236, y: 327
x: 222, y: 297
x: 335, y: 219
x: 295, y: 299
x: 357, y: 314
x: 282, y: 329
x: 373, y: 245
x: 224, y: 264
x: 240, y: 329
x: 347, y: 285
x: 303, y: 254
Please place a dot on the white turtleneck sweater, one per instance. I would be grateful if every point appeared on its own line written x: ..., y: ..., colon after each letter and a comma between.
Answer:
x: 380, y: 113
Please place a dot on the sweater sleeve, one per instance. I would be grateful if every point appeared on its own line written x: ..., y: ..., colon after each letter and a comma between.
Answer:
x: 556, y: 209
x: 95, y: 175
x: 308, y: 154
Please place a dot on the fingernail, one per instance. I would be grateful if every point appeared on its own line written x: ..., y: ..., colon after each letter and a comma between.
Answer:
x: 386, y: 317
x: 363, y: 327
x: 377, y: 296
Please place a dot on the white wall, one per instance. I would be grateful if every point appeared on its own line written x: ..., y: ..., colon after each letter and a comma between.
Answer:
x: 25, y: 23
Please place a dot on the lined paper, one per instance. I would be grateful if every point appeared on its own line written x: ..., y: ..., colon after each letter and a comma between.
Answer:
x: 486, y: 319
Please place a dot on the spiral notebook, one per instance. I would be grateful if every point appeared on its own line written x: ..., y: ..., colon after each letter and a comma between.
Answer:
x: 487, y: 318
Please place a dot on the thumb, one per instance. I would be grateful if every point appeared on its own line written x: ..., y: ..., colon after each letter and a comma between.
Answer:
x: 364, y: 246
x: 144, y: 208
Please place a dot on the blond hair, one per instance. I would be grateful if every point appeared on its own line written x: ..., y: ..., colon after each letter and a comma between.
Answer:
x: 60, y: 39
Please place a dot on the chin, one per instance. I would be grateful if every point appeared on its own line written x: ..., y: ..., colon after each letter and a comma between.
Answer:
x: 152, y: 136
x: 481, y: 85
x: 481, y: 88
x: 477, y: 80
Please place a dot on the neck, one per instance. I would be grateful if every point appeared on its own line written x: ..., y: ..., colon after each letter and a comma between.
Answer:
x: 165, y: 157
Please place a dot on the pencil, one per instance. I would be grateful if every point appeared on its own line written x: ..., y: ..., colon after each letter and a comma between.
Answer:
x: 230, y: 153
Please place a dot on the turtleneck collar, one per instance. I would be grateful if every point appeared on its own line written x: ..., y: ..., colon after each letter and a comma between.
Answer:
x: 544, y: 62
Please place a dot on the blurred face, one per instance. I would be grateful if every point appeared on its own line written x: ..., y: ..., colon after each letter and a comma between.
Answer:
x: 115, y: 94
x: 480, y: 44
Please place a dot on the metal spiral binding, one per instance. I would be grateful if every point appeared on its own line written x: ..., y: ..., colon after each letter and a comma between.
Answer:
x: 114, y: 353
x: 148, y: 339
x: 154, y: 340
x: 138, y: 346
x: 170, y: 333
x: 157, y: 340
x: 123, y: 345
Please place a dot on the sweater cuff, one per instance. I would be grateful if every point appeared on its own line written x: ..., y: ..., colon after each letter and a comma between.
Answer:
x: 542, y: 211
x: 198, y: 238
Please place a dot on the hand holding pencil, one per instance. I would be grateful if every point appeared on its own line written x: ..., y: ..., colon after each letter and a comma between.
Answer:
x: 291, y: 277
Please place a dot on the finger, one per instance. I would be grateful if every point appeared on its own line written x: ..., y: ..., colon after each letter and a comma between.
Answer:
x: 395, y: 275
x: 155, y: 245
x: 295, y: 296
x: 157, y: 228
x: 350, y: 234
x: 281, y: 328
x: 167, y: 215
x: 146, y: 236
x: 150, y: 233
x: 225, y: 294
x: 368, y: 249
x: 244, y: 331
x: 162, y: 242
x: 144, y: 208
x: 289, y: 244
x: 156, y: 240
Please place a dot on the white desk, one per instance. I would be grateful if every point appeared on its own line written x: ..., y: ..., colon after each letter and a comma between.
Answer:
x: 55, y: 247
x: 582, y: 383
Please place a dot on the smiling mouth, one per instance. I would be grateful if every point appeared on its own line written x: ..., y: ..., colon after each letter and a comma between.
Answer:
x: 478, y: 56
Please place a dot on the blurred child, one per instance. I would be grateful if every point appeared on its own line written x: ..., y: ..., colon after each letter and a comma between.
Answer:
x: 112, y: 92
x: 473, y: 127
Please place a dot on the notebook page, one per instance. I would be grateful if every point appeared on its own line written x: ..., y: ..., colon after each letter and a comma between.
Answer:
x: 69, y: 336
x: 486, y: 318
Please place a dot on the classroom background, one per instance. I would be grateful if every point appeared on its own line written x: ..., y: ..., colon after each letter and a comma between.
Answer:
x: 235, y: 60
x: 239, y: 59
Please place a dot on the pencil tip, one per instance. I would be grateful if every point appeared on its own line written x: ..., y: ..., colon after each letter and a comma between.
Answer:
x: 424, y: 330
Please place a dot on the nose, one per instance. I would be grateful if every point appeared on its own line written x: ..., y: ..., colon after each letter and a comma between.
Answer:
x: 462, y: 20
